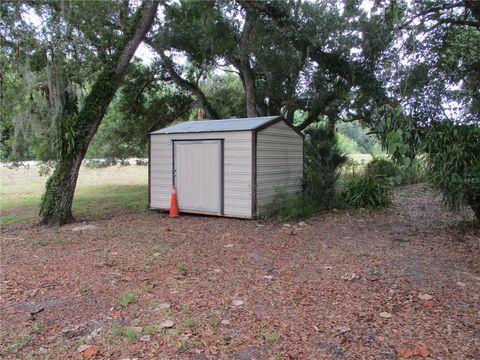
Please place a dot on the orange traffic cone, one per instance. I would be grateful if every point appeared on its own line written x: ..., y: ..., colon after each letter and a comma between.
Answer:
x: 174, y: 203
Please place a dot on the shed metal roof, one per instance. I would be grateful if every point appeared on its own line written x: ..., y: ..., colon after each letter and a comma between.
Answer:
x: 225, y: 125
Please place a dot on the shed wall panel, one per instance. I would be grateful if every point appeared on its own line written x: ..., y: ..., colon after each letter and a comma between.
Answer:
x: 237, y: 170
x: 279, y: 162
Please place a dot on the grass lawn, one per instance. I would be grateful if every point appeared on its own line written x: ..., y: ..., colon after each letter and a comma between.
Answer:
x: 98, y: 190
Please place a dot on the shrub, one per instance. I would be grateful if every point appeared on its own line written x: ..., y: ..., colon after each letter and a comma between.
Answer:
x: 383, y: 168
x: 323, y: 161
x: 414, y: 174
x: 453, y: 164
x: 366, y: 191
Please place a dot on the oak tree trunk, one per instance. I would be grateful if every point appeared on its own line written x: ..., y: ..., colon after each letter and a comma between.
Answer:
x: 248, y: 81
x: 77, y: 128
x: 242, y: 63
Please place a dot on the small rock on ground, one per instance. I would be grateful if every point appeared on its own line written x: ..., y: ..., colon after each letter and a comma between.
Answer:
x: 385, y: 315
x: 167, y: 324
x: 84, y: 227
x: 425, y: 297
x: 349, y: 276
x: 82, y: 348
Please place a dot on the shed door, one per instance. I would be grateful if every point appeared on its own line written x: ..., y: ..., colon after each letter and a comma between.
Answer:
x: 198, y: 175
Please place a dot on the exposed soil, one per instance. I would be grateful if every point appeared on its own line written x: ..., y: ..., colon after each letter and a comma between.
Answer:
x: 344, y: 285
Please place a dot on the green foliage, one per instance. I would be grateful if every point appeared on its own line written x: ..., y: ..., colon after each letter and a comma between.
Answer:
x: 362, y: 142
x: 226, y: 94
x: 398, y: 134
x: 453, y: 164
x: 367, y: 192
x: 436, y: 68
x: 415, y: 173
x: 323, y: 161
x: 347, y: 145
x: 384, y: 169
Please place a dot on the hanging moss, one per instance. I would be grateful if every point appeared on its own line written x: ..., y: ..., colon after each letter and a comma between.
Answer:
x: 75, y: 130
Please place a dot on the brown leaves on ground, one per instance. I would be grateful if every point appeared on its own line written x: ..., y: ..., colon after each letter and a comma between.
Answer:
x: 218, y: 288
x: 91, y: 352
x: 404, y: 353
x: 420, y: 350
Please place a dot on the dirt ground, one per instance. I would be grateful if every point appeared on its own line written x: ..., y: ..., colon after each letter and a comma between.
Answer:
x: 344, y: 285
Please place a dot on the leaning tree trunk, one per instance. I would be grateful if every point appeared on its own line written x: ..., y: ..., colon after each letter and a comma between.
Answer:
x: 56, y: 207
x: 77, y: 128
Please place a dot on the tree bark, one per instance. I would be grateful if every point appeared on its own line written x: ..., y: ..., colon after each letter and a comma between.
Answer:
x: 77, y: 128
x: 244, y: 67
x: 248, y: 81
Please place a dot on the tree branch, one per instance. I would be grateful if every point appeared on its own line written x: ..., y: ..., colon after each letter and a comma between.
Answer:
x: 182, y: 83
x: 354, y: 73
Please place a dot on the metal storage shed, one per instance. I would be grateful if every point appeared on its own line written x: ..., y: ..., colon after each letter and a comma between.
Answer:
x: 230, y: 167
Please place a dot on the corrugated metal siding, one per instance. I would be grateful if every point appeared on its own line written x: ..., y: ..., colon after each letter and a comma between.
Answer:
x: 279, y: 162
x: 237, y: 171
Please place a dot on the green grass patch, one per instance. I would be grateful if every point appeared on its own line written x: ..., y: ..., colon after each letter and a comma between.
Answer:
x: 188, y: 323
x: 98, y: 191
x: 214, y: 321
x: 22, y: 341
x: 150, y: 330
x: 271, y: 336
x: 126, y: 300
x: 15, y: 219
x: 125, y: 332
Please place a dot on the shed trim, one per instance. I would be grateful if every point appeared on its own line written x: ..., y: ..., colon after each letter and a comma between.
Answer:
x: 254, y: 174
x: 149, y: 170
x: 273, y: 122
x: 222, y: 172
x: 214, y: 125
